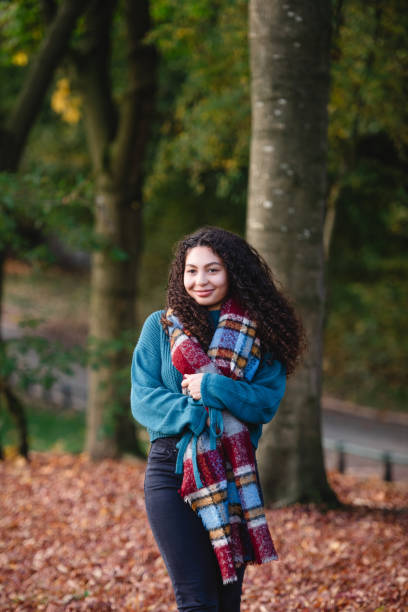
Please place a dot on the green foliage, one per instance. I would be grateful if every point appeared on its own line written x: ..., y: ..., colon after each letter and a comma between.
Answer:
x: 21, y: 30
x: 199, y: 165
x: 13, y: 194
x: 38, y: 203
x: 368, y: 78
x: 205, y: 52
x: 366, y: 328
x: 372, y: 213
x: 366, y: 351
x: 368, y: 136
x: 22, y: 26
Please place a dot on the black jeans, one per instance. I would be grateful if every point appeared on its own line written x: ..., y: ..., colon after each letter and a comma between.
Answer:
x: 182, y: 539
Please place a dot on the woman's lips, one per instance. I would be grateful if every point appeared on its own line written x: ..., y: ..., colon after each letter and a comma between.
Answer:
x: 204, y: 293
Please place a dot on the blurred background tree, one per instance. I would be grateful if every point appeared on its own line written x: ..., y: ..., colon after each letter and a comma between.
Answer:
x: 114, y: 72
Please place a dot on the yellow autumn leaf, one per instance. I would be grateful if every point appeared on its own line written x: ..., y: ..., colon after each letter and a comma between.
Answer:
x: 64, y: 103
x: 63, y: 85
x: 334, y: 545
x: 72, y: 113
x: 20, y: 58
x: 230, y: 164
x: 58, y: 102
x: 10, y: 452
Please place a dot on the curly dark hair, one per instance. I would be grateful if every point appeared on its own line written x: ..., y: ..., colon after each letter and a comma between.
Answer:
x: 251, y: 285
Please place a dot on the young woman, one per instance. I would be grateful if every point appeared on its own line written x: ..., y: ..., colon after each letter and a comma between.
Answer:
x: 207, y: 373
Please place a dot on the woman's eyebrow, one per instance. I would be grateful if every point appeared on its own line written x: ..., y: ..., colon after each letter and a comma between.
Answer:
x: 212, y: 263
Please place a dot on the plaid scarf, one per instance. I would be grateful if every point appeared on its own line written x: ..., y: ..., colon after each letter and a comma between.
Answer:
x: 219, y: 475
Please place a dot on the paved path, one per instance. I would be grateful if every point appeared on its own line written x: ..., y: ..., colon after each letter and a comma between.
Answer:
x: 367, y: 432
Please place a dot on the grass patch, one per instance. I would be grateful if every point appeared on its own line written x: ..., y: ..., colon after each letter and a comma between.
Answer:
x: 48, y: 429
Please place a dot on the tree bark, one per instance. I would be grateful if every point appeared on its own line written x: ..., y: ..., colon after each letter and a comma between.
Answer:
x: 289, y: 61
x: 112, y: 313
x: 117, y: 140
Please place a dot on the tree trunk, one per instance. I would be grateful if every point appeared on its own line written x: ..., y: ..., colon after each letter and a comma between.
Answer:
x: 112, y: 313
x: 117, y: 140
x: 289, y: 60
x: 16, y: 409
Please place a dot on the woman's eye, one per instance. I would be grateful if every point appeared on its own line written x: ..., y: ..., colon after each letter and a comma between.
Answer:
x: 214, y: 270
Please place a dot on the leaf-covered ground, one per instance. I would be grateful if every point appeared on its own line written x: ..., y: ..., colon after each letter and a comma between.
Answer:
x: 74, y: 536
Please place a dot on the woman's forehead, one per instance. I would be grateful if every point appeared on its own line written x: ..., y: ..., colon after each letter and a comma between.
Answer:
x: 202, y: 256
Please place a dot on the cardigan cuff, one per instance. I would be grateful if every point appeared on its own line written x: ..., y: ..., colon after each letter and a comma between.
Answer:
x: 208, y: 387
x: 199, y: 419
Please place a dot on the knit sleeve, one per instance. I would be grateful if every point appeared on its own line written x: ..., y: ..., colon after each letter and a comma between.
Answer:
x: 153, y: 405
x: 252, y: 402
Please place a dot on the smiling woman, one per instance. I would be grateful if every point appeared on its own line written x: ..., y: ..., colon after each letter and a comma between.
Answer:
x: 207, y: 373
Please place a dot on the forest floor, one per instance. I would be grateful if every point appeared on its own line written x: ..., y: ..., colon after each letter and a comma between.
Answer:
x: 74, y: 537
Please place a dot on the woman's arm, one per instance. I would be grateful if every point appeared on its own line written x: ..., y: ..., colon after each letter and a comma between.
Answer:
x: 252, y: 402
x: 154, y: 405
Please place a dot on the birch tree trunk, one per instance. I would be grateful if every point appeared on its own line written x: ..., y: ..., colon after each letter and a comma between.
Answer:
x: 117, y: 138
x: 289, y: 61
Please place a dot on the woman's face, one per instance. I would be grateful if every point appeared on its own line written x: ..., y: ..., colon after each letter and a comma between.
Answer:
x: 205, y: 277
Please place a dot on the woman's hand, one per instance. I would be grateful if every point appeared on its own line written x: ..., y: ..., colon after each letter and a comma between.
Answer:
x: 192, y: 383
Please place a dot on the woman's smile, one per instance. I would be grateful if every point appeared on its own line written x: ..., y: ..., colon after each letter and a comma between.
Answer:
x: 203, y: 292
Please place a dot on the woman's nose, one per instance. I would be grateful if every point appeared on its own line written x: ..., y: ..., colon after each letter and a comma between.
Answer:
x: 202, y: 278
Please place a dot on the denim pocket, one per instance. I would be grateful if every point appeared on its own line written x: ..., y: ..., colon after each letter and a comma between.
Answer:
x: 163, y: 450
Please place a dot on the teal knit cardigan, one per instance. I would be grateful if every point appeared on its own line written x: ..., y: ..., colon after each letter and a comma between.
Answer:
x: 158, y: 404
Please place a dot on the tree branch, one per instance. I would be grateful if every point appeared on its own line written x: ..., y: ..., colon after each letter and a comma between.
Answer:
x: 37, y: 82
x: 49, y: 8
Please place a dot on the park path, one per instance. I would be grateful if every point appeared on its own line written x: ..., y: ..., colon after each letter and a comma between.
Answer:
x: 366, y: 428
